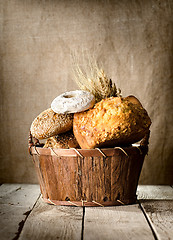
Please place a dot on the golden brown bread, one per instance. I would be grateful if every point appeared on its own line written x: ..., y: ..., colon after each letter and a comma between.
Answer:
x: 113, y: 121
x: 63, y: 140
x: 133, y: 100
x: 48, y: 124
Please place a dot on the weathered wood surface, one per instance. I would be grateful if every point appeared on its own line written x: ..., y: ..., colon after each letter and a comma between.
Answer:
x: 122, y: 222
x: 160, y: 215
x: 16, y: 200
x: 156, y: 192
x: 157, y: 204
x: 23, y: 216
x: 53, y: 222
x: 96, y: 178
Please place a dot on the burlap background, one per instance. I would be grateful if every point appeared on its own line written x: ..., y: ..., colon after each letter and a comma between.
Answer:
x: 132, y: 39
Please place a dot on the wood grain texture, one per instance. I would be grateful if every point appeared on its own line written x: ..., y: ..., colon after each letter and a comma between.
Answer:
x: 40, y: 176
x: 58, y: 222
x: 160, y: 215
x: 155, y: 192
x: 16, y: 200
x: 125, y: 173
x: 123, y: 222
x: 100, y: 179
x: 52, y: 222
x: 157, y: 204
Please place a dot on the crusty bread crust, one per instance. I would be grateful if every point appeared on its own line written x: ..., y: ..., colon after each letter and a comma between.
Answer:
x: 48, y: 124
x: 113, y: 121
x: 63, y: 140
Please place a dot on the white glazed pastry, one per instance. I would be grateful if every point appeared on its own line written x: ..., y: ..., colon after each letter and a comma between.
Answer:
x: 73, y: 101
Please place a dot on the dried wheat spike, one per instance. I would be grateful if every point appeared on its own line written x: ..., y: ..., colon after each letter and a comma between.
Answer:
x: 94, y: 80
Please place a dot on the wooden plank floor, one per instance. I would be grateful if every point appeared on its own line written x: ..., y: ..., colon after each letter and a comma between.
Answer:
x: 23, y: 215
x: 16, y: 202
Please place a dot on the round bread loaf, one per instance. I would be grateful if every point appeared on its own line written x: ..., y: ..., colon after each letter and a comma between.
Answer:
x: 63, y: 140
x: 113, y: 121
x: 48, y: 124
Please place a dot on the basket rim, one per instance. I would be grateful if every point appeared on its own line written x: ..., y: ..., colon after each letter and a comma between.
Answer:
x: 72, y: 152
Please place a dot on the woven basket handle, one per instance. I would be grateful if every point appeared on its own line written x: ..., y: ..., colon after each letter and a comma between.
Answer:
x: 32, y: 141
x: 145, y: 141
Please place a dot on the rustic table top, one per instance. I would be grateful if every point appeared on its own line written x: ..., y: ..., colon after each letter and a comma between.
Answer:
x: 23, y: 215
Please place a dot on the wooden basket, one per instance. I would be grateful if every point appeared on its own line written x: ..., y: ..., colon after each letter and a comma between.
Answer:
x: 82, y: 177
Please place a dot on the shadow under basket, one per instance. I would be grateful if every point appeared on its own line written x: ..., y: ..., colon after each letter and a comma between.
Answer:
x: 88, y: 177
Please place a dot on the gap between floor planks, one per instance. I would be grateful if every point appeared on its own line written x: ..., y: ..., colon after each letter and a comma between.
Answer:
x: 126, y: 222
x: 50, y: 222
x: 157, y: 205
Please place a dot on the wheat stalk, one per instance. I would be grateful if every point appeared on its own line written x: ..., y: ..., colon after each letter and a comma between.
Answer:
x: 94, y: 79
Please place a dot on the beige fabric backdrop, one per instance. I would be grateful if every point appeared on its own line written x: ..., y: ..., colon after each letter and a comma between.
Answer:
x: 132, y: 39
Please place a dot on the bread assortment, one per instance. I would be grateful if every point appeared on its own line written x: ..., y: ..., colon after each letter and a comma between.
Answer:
x: 97, y: 119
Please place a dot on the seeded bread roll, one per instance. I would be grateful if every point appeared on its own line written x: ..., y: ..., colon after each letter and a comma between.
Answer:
x: 63, y: 140
x: 112, y: 122
x: 48, y: 124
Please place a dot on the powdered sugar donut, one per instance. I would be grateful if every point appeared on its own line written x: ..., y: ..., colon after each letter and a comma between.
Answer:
x: 73, y: 101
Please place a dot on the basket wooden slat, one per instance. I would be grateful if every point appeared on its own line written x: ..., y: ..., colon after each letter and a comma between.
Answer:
x: 82, y: 177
